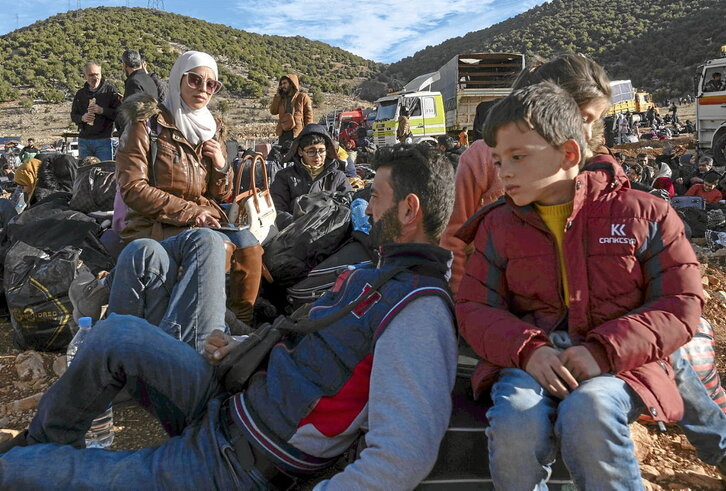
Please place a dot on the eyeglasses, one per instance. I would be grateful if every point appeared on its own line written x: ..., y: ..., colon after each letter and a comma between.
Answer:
x: 197, y: 82
x: 315, y: 151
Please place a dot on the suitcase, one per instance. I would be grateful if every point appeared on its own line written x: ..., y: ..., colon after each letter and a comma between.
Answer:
x: 353, y: 254
x: 688, y: 202
x: 462, y: 463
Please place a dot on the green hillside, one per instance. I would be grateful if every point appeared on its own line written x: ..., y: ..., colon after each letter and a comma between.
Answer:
x: 655, y: 43
x: 47, y: 56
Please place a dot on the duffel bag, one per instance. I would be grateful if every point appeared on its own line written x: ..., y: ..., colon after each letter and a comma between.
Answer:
x: 94, y: 188
x: 36, y: 288
x: 322, y: 222
x: 323, y: 276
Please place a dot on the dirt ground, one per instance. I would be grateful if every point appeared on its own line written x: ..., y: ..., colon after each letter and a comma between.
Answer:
x: 248, y: 121
x: 668, y: 461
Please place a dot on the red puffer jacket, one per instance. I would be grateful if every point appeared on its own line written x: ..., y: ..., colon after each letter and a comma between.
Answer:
x: 634, y: 282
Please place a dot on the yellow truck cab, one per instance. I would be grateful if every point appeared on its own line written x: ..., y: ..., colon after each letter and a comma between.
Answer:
x: 445, y: 101
x: 711, y: 108
x: 426, y: 116
x: 625, y: 98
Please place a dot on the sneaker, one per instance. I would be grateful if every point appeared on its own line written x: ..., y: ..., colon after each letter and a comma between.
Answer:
x: 88, y: 295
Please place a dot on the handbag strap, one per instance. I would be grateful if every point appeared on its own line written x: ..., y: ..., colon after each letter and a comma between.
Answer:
x: 253, y: 191
x: 153, y: 127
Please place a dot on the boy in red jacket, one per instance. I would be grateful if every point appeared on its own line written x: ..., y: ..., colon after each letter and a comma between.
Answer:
x: 577, y: 292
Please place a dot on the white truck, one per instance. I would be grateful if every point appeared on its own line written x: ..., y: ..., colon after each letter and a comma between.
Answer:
x: 711, y: 108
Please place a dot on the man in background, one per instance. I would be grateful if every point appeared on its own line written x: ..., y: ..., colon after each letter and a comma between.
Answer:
x: 94, y: 111
x: 293, y: 107
x: 137, y: 80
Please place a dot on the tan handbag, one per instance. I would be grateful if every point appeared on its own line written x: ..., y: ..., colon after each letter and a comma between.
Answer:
x: 256, y: 208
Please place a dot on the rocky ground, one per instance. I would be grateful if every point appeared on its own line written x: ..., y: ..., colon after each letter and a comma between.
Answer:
x: 248, y: 121
x: 668, y: 461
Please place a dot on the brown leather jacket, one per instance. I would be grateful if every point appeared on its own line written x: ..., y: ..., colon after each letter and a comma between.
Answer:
x: 300, y: 104
x: 185, y: 183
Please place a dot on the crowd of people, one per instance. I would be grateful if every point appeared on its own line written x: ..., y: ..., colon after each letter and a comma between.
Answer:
x: 576, y: 291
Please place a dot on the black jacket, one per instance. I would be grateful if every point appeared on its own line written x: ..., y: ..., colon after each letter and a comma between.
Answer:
x: 140, y: 82
x: 108, y: 97
x: 294, y: 181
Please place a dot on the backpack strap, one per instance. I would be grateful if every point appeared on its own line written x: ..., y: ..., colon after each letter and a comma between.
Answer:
x: 153, y: 127
x: 306, y: 325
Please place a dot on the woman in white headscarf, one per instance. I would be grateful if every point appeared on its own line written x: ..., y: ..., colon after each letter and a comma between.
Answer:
x: 177, y: 189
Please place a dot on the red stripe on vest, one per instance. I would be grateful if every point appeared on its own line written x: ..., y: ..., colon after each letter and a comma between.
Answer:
x: 332, y: 415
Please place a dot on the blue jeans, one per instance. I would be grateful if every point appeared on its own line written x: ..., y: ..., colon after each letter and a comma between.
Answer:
x: 703, y: 422
x: 590, y: 425
x: 167, y: 378
x: 176, y: 284
x: 101, y: 148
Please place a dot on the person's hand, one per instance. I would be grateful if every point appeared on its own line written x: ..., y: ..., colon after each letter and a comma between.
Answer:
x: 697, y: 180
x: 679, y: 180
x: 95, y: 109
x: 213, y: 150
x: 217, y: 346
x: 547, y: 369
x: 205, y: 219
x: 580, y: 362
x: 88, y: 118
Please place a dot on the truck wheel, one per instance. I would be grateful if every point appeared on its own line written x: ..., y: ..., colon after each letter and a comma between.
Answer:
x: 718, y: 148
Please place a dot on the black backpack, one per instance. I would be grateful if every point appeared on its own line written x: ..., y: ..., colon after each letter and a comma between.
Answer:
x: 322, y: 222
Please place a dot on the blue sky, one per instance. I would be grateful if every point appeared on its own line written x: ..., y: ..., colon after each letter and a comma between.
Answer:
x: 381, y: 30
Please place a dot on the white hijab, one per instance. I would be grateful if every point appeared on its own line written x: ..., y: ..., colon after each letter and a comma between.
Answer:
x: 196, y: 125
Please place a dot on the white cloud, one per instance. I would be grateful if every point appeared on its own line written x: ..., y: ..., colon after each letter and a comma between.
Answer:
x: 383, y: 30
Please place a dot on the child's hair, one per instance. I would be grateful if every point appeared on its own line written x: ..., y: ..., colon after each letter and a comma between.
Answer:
x: 311, y: 139
x: 545, y: 108
x: 581, y: 77
x: 711, y: 177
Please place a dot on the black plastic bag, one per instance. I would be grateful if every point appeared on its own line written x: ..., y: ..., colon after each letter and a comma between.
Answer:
x: 94, y: 188
x: 36, y: 288
x: 51, y: 225
x: 321, y: 223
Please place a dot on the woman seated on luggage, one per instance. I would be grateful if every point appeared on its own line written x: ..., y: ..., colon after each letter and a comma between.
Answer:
x: 178, y: 190
x: 315, y: 169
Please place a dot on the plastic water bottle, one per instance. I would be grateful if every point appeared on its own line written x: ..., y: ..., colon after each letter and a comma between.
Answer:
x: 358, y: 215
x: 100, y: 435
x: 21, y: 204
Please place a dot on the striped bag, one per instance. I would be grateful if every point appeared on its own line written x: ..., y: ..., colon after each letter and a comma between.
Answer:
x: 701, y: 353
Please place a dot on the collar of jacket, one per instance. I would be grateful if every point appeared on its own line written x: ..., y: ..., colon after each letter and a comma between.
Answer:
x: 426, y: 259
x: 93, y: 91
x: 327, y: 167
x: 602, y: 174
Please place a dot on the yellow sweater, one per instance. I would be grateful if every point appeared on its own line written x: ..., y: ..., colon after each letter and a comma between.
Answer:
x: 555, y: 217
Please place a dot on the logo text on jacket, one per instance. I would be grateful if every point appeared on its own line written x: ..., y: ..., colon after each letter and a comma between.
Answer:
x: 618, y: 236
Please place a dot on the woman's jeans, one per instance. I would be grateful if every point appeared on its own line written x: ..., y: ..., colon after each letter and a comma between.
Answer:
x: 176, y: 284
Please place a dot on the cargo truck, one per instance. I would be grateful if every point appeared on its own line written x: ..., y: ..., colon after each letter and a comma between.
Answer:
x: 625, y: 98
x: 444, y: 102
x: 711, y: 108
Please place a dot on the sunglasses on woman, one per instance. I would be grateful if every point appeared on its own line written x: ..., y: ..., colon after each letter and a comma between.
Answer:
x: 197, y: 82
